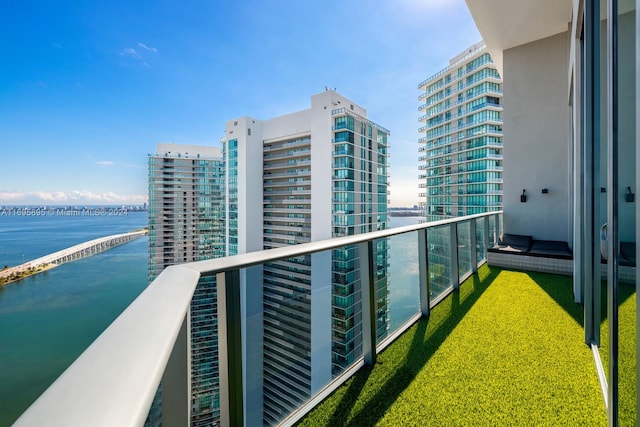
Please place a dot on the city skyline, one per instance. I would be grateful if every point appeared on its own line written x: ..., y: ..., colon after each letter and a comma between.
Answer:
x: 91, y: 90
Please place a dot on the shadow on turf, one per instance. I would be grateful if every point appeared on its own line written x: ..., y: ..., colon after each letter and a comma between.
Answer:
x: 560, y: 288
x: 422, y: 348
x: 625, y: 291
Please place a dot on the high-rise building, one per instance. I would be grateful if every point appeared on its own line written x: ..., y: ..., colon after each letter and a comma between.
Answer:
x: 309, y: 175
x: 186, y: 205
x: 461, y: 150
x: 187, y: 223
x: 306, y: 176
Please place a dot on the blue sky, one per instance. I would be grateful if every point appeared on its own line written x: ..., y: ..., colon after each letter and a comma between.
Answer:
x: 87, y: 89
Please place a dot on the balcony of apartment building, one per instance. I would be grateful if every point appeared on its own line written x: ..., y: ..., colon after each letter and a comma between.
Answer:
x: 466, y: 342
x: 287, y: 152
x: 475, y: 343
x: 288, y: 174
x: 291, y: 161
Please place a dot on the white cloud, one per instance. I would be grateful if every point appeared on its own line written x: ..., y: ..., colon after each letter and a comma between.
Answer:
x: 150, y: 49
x: 56, y: 196
x: 105, y: 163
x: 83, y: 197
x: 131, y: 53
x: 10, y: 196
x: 134, y: 54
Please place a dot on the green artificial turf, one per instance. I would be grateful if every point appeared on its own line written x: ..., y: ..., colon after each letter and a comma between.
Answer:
x: 507, y: 349
x: 627, y: 414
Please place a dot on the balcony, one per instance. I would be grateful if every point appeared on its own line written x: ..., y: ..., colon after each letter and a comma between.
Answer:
x: 491, y: 347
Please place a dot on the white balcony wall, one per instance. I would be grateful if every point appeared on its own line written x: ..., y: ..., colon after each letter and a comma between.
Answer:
x: 537, y: 144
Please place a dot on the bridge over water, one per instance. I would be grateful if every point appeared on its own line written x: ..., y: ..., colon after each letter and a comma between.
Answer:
x: 72, y: 253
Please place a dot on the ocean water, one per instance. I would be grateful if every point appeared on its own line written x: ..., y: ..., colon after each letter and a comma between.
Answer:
x: 23, y: 238
x: 403, y: 287
x: 47, y: 320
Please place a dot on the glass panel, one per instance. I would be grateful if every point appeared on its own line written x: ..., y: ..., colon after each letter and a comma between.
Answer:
x: 256, y: 309
x: 286, y: 333
x: 439, y: 241
x: 346, y: 309
x: 600, y: 197
x: 205, y: 397
x: 464, y: 249
x: 381, y: 277
x: 481, y: 246
x: 626, y: 174
x: 404, y: 293
x: 600, y: 192
x: 304, y: 326
x: 492, y: 230
x: 625, y: 245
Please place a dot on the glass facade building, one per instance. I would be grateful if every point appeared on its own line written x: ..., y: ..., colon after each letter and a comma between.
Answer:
x: 187, y: 223
x: 461, y: 150
x: 320, y: 173
x: 360, y: 180
x: 230, y: 153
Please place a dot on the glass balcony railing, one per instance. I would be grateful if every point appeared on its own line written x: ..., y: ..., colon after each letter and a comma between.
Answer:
x: 293, y: 324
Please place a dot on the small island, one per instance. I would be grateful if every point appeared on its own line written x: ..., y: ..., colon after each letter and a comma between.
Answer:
x: 23, y: 274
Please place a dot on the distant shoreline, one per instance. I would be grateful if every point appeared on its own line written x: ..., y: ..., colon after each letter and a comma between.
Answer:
x: 405, y: 211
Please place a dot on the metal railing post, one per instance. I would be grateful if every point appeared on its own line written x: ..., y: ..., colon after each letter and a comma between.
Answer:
x: 453, y: 239
x: 176, y: 380
x: 230, y: 348
x: 423, y: 265
x: 474, y: 245
x: 486, y: 237
x: 367, y: 286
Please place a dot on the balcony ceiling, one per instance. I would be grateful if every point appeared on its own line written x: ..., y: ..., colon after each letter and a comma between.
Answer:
x: 504, y: 24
